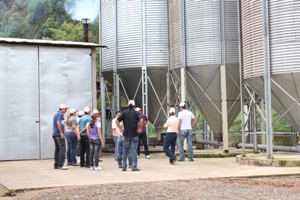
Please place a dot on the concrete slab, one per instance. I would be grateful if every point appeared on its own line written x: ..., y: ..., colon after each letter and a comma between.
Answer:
x: 30, y: 174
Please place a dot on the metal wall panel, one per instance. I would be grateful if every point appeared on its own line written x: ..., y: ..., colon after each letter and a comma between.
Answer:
x: 175, y: 35
x: 157, y: 33
x: 107, y: 24
x: 65, y: 77
x: 19, y: 102
x: 231, y: 32
x: 252, y: 38
x: 202, y: 32
x: 284, y: 36
x: 129, y: 36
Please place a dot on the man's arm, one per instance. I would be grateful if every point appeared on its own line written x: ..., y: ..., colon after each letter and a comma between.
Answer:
x: 179, y: 124
x: 60, y: 130
x: 194, y: 122
x: 141, y: 125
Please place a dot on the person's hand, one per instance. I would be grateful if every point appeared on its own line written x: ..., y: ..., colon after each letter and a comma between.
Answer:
x: 62, y: 136
x: 78, y: 138
x: 139, y: 130
x: 122, y: 130
x: 102, y: 145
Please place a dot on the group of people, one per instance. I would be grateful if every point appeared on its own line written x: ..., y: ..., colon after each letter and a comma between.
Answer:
x: 129, y: 129
x: 83, y: 132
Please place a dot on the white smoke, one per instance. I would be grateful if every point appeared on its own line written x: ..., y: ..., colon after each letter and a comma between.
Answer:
x: 79, y: 9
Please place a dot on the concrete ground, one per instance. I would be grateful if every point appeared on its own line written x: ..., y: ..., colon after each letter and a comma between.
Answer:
x: 30, y: 174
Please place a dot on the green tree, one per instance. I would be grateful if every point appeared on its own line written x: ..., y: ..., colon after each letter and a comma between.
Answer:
x: 68, y: 32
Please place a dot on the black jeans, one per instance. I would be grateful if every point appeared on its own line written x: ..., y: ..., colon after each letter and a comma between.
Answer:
x: 59, y: 152
x: 94, y: 152
x: 143, y: 137
x: 84, y: 149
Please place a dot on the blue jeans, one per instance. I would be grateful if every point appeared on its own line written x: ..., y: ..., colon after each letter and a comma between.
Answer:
x: 129, y: 149
x: 59, y: 152
x: 94, y: 152
x: 120, y: 154
x: 72, y: 144
x: 170, y: 140
x: 189, y: 136
x: 116, y: 141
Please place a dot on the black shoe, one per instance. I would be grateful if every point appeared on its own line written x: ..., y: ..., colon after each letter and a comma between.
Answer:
x: 123, y: 169
x: 191, y: 159
x: 69, y: 163
x: 174, y: 161
x: 180, y: 160
x: 55, y: 167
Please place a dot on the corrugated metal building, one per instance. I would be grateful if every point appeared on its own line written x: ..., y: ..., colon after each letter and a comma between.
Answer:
x: 36, y: 77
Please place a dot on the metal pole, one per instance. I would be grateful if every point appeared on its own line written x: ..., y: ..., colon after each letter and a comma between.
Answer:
x: 183, y: 58
x: 267, y: 80
x: 103, y: 107
x: 241, y: 79
x: 116, y: 77
x: 144, y: 65
x: 255, y: 149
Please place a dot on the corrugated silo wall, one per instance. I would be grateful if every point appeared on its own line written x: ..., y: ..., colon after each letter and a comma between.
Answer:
x: 284, y: 48
x: 129, y: 50
x: 203, y: 55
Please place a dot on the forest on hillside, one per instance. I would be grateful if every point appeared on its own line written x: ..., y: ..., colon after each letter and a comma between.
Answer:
x: 43, y: 19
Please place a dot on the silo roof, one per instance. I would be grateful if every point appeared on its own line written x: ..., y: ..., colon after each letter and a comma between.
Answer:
x: 49, y: 42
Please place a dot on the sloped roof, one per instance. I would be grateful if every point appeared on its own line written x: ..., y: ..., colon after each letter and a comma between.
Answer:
x: 49, y: 42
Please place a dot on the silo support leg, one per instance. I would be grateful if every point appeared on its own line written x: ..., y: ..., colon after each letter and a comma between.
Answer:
x: 224, y: 109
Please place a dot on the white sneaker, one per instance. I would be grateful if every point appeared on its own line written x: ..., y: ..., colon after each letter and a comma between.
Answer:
x: 97, y: 168
x: 63, y: 168
x: 148, y: 157
x: 92, y: 168
x: 138, y: 156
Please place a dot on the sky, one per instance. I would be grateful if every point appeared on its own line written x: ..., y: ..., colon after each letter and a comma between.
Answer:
x: 84, y: 9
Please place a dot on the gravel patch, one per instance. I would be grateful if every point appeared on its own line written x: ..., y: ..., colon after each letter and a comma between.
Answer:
x: 220, y: 188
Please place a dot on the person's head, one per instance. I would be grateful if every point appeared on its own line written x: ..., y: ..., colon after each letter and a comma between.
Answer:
x: 93, y: 120
x: 63, y: 108
x: 96, y: 112
x: 80, y: 113
x: 118, y: 113
x: 87, y: 110
x: 138, y: 109
x: 72, y: 113
x: 131, y: 103
x: 172, y: 111
x: 182, y: 105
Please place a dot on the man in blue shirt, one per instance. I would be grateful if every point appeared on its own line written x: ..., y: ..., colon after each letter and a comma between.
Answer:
x: 58, y: 137
x: 84, y: 140
x: 130, y: 117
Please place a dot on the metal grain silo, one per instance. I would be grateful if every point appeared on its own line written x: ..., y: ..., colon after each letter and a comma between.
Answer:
x: 136, y: 33
x: 204, y: 37
x: 282, y: 27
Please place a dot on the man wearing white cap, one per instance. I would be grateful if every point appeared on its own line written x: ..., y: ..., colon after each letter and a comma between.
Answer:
x: 59, y: 138
x: 185, y: 126
x: 172, y: 132
x: 84, y: 141
x: 130, y: 117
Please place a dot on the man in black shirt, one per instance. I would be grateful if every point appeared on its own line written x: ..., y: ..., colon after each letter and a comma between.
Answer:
x: 130, y: 117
